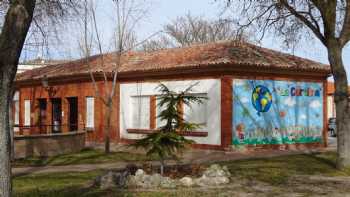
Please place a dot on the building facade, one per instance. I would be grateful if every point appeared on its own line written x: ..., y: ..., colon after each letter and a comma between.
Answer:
x: 257, y: 97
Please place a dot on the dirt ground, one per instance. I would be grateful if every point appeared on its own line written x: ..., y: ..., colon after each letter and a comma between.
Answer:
x: 310, y: 186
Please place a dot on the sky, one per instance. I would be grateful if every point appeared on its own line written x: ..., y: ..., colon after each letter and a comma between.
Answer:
x: 161, y: 12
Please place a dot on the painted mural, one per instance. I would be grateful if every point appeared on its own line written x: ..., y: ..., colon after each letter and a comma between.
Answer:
x: 277, y: 112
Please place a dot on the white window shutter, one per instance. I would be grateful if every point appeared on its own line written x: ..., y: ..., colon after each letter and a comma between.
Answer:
x: 197, y: 112
x: 16, y: 105
x: 26, y: 112
x: 16, y: 120
x: 90, y: 112
x: 141, y: 112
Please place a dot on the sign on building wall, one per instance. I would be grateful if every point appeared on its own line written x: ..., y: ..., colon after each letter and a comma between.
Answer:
x: 277, y: 112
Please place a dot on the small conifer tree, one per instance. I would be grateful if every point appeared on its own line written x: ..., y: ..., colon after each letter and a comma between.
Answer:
x: 168, y: 141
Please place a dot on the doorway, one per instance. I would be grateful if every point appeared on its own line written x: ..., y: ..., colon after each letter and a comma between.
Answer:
x: 73, y: 113
x: 42, y: 115
x: 56, y: 115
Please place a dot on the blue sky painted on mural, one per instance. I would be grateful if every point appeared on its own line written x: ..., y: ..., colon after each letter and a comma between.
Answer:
x: 296, y: 110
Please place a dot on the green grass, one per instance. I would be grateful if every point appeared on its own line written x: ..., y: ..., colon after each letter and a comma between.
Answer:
x: 86, y: 156
x: 53, y: 184
x: 276, y: 172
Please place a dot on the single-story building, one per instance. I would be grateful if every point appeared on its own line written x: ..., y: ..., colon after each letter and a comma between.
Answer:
x: 257, y: 97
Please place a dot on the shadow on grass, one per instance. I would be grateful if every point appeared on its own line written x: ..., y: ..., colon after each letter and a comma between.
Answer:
x: 328, y: 158
x: 278, y: 170
x: 87, y: 156
x: 66, y: 192
x: 55, y: 184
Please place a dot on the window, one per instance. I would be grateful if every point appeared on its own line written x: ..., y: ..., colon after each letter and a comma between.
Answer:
x: 26, y: 112
x: 16, y: 119
x: 16, y: 110
x: 331, y: 107
x: 196, y: 112
x: 90, y: 110
x: 159, y: 122
x: 140, y: 112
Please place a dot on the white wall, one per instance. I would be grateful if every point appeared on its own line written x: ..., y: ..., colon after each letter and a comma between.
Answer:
x: 330, y: 107
x: 24, y: 67
x: 211, y: 87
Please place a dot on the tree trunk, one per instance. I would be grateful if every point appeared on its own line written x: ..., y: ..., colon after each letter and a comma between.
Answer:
x: 162, y: 164
x: 108, y: 125
x: 11, y: 123
x: 13, y: 33
x: 5, y: 161
x: 342, y: 105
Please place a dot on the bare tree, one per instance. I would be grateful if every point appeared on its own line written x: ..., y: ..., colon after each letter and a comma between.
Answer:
x: 17, y: 21
x: 329, y: 22
x: 188, y: 30
x: 128, y: 15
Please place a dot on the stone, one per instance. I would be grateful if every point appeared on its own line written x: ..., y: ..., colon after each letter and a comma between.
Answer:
x: 139, y: 172
x: 107, y: 181
x: 155, y: 180
x: 120, y: 178
x: 143, y: 180
x: 186, y: 181
x: 131, y: 181
x: 112, y: 179
x: 203, y: 181
x: 220, y: 180
x: 168, y: 183
x: 215, y: 175
x: 216, y: 170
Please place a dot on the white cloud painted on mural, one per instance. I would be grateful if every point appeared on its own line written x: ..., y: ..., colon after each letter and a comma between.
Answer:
x: 315, y: 104
x: 290, y: 102
x: 239, y: 82
x: 245, y: 100
x: 303, y: 117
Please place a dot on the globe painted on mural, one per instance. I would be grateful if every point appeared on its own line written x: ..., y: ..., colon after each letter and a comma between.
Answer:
x: 261, y: 98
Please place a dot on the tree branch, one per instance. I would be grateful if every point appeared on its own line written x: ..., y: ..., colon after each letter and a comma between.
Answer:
x: 303, y: 19
x: 345, y: 32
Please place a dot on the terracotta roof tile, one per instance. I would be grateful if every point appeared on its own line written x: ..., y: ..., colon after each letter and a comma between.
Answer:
x: 331, y: 88
x: 231, y: 54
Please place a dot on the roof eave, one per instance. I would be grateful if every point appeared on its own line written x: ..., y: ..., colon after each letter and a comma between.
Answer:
x: 204, y: 70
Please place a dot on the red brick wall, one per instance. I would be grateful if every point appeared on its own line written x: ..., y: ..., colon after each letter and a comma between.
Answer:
x: 226, y: 111
x: 48, y: 145
x: 80, y: 90
x: 153, y: 111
